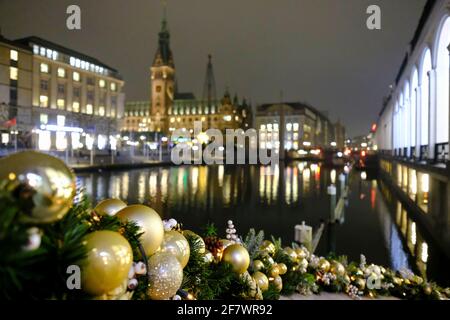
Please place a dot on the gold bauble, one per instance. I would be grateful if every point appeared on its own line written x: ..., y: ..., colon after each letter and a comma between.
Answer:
x: 237, y: 256
x: 428, y: 290
x: 397, y: 281
x: 108, y: 261
x: 165, y: 276
x: 150, y: 224
x: 282, y: 268
x: 278, y: 283
x: 199, y: 240
x: 347, y: 279
x: 175, y: 243
x: 109, y: 207
x: 291, y: 253
x: 208, y: 256
x: 360, y: 283
x: 267, y: 246
x: 337, y: 268
x: 274, y: 271
x: 301, y: 253
x: 258, y: 265
x: 324, y: 265
x: 261, y: 280
x: 45, y: 185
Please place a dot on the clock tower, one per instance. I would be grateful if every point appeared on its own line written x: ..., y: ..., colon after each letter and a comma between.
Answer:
x: 162, y: 79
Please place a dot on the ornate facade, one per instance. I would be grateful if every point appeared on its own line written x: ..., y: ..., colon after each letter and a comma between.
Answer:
x: 168, y: 109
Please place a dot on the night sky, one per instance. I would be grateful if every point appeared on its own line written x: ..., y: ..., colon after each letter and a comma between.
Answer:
x: 316, y: 51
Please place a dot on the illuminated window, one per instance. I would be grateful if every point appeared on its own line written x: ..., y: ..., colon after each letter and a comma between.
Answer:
x: 61, y: 120
x: 113, y: 113
x: 295, y: 126
x: 289, y: 126
x: 60, y: 103
x: 101, y: 111
x: 113, y: 86
x: 89, y: 109
x: 101, y: 83
x: 61, y: 141
x: 13, y: 73
x: 76, y: 106
x: 76, y: 76
x: 61, y: 72
x: 44, y: 140
x: 14, y: 55
x: 44, y: 68
x: 172, y: 120
x: 43, y: 118
x: 43, y: 101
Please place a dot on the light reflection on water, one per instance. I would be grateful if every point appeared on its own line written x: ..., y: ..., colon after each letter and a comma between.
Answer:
x: 196, y: 195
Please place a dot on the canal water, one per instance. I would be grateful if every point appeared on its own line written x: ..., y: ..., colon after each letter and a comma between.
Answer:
x: 374, y: 223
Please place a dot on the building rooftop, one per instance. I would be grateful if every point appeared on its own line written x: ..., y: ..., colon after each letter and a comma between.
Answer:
x: 15, y: 44
x: 29, y: 41
x: 299, y: 106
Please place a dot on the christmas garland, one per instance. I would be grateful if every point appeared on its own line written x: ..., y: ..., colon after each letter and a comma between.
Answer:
x: 127, y: 252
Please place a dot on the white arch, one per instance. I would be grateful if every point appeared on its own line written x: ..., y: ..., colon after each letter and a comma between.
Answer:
x: 414, y: 104
x: 425, y: 95
x: 442, y: 77
x: 406, y: 116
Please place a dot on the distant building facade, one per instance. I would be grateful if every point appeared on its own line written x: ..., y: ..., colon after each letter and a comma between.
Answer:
x: 299, y: 124
x: 65, y: 100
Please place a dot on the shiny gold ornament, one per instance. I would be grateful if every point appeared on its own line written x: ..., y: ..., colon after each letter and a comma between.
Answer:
x: 208, y: 256
x: 109, y: 207
x: 199, y: 240
x: 108, y: 261
x: 267, y: 246
x: 258, y: 265
x: 301, y: 253
x: 360, y: 283
x: 45, y: 185
x: 274, y: 271
x: 238, y: 257
x: 397, y: 281
x: 337, y: 268
x: 291, y: 253
x: 324, y: 265
x: 278, y: 283
x: 282, y: 268
x: 165, y: 274
x: 261, y: 280
x: 175, y: 243
x: 347, y: 279
x: 428, y: 290
x: 150, y: 224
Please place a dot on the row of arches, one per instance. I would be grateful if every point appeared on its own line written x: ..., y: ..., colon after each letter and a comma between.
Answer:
x: 421, y: 101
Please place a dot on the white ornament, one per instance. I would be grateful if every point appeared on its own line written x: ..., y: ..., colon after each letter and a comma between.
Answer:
x: 131, y: 273
x: 230, y: 222
x: 34, y: 239
x: 176, y: 297
x: 132, y: 284
x: 140, y: 268
x: 228, y: 236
